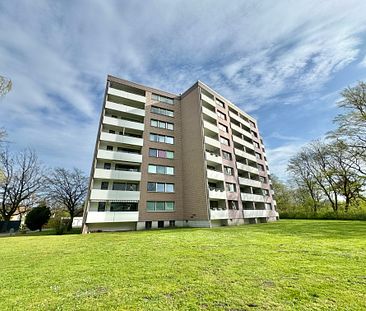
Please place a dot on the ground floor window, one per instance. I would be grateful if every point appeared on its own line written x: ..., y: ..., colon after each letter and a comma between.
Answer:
x: 148, y: 224
x: 171, y: 223
x: 161, y: 224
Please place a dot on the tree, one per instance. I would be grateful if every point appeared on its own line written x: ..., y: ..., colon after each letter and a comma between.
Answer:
x: 5, y: 85
x: 351, y: 125
x: 67, y: 188
x: 299, y: 168
x: 38, y: 217
x: 22, y: 179
x: 283, y: 195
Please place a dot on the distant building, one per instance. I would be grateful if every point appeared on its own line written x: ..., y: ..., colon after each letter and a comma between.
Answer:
x: 163, y: 160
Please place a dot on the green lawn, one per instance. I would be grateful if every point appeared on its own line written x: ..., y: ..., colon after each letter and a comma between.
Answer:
x: 289, y: 265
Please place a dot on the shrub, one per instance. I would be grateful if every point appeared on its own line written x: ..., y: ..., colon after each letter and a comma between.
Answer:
x: 37, y: 217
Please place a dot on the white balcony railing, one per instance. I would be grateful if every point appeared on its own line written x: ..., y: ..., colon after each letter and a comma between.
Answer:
x: 210, y: 126
x: 107, y: 195
x: 245, y: 155
x: 124, y: 94
x: 116, y: 175
x: 114, y: 138
x: 100, y: 217
x: 207, y: 99
x: 243, y: 142
x: 250, y: 182
x: 123, y: 123
x: 247, y: 168
x: 255, y: 198
x: 240, y: 130
x: 212, y: 142
x: 125, y: 108
x: 119, y: 156
x: 209, y: 113
x: 211, y: 174
x: 259, y: 213
x: 219, y: 214
x: 213, y: 157
x: 217, y: 194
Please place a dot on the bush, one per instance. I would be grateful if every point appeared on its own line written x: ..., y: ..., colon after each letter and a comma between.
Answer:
x: 37, y: 217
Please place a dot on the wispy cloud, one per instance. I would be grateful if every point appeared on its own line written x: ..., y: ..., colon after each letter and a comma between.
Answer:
x: 255, y: 53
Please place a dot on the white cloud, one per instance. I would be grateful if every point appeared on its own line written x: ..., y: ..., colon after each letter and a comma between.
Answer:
x: 255, y: 53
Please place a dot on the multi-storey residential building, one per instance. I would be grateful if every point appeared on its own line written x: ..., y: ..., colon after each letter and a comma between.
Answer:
x: 165, y: 160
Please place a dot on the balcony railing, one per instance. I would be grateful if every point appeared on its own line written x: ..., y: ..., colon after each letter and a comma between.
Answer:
x: 125, y: 108
x: 116, y: 195
x: 116, y: 174
x: 123, y: 123
x: 122, y: 139
x: 124, y: 94
x: 119, y: 156
x: 100, y: 217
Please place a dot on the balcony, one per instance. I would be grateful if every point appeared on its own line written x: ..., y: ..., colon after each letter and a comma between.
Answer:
x: 125, y: 108
x: 117, y: 175
x: 240, y: 130
x: 247, y: 168
x: 250, y: 182
x: 211, y: 127
x: 219, y: 214
x: 114, y: 195
x: 127, y: 95
x: 242, y: 142
x: 207, y: 99
x: 99, y: 217
x: 245, y: 155
x: 123, y: 123
x: 255, y: 198
x: 213, y: 157
x: 114, y: 138
x: 216, y: 175
x: 209, y: 113
x: 219, y: 194
x: 213, y: 142
x: 119, y: 156
x: 259, y: 213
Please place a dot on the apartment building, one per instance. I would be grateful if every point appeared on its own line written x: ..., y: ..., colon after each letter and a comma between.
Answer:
x: 166, y: 160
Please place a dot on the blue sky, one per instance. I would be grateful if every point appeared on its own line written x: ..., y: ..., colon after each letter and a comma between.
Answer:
x: 284, y: 62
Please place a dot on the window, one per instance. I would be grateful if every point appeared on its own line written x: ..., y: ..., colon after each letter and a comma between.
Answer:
x: 161, y: 138
x: 107, y: 166
x: 161, y: 224
x: 223, y: 128
x: 230, y: 187
x: 163, y: 99
x: 160, y: 187
x: 221, y: 115
x: 258, y: 156
x: 101, y: 206
x: 159, y: 169
x: 224, y: 141
x: 254, y: 134
x: 157, y: 153
x: 122, y: 186
x: 124, y: 206
x: 162, y: 111
x: 233, y: 205
x: 226, y: 155
x: 172, y: 223
x: 104, y: 185
x: 252, y: 123
x: 110, y: 148
x: 265, y: 192
x: 112, y: 132
x: 220, y: 103
x: 228, y: 170
x: 128, y: 168
x: 148, y: 224
x: 162, y: 124
x: 160, y: 206
x: 260, y: 167
x: 255, y: 144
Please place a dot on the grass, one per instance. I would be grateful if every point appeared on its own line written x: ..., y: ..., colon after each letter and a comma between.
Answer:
x: 289, y: 265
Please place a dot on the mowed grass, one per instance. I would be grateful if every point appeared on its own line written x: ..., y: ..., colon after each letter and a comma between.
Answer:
x: 289, y: 265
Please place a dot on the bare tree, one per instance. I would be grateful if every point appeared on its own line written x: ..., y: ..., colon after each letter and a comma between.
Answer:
x: 303, y: 177
x: 67, y: 188
x: 5, y: 85
x: 22, y: 178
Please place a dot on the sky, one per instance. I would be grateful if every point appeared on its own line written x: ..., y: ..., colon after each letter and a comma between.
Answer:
x: 284, y: 62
